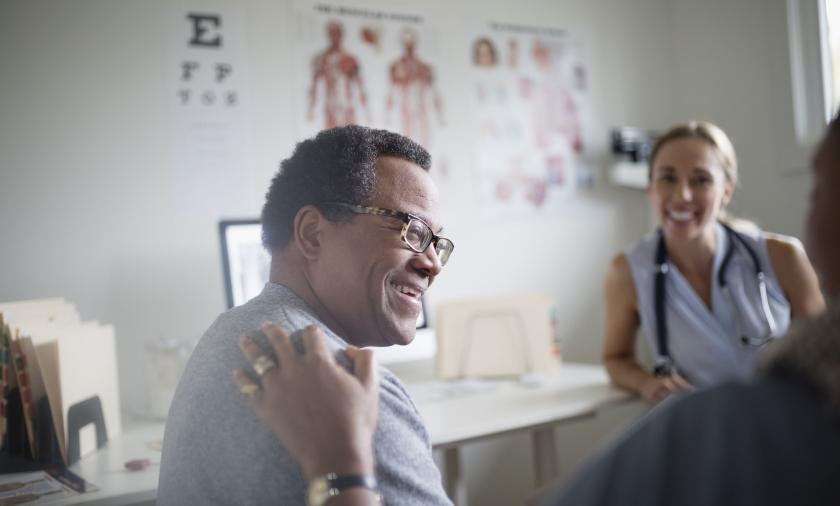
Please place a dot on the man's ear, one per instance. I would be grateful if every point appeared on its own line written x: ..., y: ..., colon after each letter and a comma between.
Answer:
x: 307, y: 232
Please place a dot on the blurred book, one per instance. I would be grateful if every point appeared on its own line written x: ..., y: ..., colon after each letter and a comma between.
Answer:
x: 40, y: 487
x: 20, y: 367
x: 5, y: 367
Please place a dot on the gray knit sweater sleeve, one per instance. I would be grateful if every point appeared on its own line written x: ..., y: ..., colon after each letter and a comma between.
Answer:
x: 217, y: 452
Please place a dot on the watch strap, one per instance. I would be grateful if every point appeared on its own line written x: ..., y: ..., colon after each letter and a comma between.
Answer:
x: 329, y: 485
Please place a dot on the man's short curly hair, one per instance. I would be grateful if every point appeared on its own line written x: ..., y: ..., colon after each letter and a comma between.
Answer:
x: 335, y: 166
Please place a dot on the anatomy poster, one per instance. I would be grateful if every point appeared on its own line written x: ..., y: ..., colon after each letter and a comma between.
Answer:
x: 529, y: 88
x: 371, y: 67
x: 208, y: 83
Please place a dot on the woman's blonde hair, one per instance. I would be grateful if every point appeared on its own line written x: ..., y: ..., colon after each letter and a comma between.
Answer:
x: 705, y: 131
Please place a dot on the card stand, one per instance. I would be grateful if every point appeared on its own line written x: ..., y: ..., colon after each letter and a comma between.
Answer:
x: 16, y: 455
x: 79, y: 415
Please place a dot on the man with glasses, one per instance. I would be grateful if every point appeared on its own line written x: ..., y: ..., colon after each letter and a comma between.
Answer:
x: 352, y: 224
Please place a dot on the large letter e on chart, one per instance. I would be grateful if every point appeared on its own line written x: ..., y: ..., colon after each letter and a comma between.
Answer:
x: 205, y: 26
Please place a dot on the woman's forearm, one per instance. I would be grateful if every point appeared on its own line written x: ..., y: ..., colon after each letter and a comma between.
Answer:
x: 627, y: 373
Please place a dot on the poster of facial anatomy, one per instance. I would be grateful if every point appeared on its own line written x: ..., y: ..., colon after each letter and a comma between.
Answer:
x: 529, y: 90
x: 371, y: 67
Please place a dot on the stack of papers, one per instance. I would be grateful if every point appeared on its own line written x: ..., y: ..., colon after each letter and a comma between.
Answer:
x: 55, y: 355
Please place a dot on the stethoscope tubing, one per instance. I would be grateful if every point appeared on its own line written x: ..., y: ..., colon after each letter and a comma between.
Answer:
x: 664, y: 363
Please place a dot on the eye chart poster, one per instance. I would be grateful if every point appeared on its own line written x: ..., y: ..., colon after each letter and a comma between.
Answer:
x: 208, y: 83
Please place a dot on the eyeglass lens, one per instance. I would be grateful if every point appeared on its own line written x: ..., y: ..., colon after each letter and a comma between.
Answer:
x: 419, y: 236
x: 444, y: 248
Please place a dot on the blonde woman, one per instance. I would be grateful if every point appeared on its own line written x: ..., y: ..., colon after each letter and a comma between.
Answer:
x: 707, y: 291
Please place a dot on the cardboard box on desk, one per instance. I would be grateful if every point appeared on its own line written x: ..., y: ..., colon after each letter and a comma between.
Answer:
x: 77, y: 360
x: 506, y: 336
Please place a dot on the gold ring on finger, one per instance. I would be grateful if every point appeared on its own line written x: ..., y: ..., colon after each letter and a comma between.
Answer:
x: 263, y: 364
x: 249, y: 389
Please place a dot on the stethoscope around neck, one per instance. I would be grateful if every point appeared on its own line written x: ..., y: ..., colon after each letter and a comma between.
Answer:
x: 664, y: 363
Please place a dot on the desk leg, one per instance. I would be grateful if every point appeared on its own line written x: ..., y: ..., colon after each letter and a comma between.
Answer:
x: 545, y: 455
x: 453, y: 483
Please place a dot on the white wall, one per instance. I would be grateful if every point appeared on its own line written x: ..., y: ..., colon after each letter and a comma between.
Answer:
x: 732, y: 66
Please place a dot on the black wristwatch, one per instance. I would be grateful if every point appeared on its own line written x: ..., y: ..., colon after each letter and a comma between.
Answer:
x: 322, y: 488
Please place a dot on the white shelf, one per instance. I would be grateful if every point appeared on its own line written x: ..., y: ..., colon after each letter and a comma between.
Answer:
x: 630, y: 174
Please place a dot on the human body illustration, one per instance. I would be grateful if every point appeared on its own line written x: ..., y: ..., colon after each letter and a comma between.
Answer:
x: 340, y: 72
x: 412, y: 92
x: 555, y: 111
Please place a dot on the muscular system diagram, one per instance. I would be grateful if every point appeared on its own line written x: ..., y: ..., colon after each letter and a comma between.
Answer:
x: 340, y: 74
x: 412, y: 92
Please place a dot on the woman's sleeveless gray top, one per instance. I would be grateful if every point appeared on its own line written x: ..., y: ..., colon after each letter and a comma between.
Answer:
x: 706, y: 344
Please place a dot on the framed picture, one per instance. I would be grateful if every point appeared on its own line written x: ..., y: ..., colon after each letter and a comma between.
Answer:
x: 246, y: 264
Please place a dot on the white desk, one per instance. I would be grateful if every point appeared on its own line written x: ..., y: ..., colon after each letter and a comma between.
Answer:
x: 576, y: 391
x: 106, y: 469
x: 454, y: 413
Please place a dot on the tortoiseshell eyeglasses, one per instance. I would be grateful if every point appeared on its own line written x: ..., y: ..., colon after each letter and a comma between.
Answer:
x: 416, y: 233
